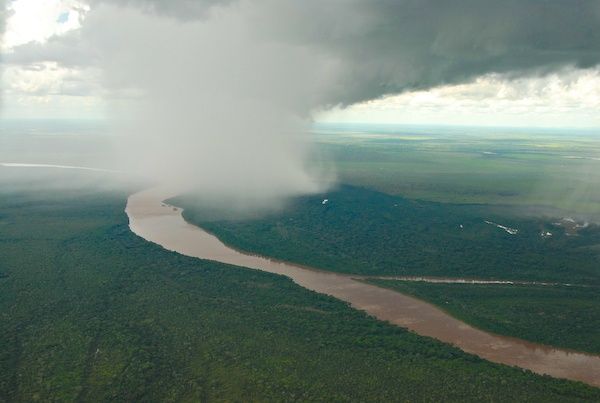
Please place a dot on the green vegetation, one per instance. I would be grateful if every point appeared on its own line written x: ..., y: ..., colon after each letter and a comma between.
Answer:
x: 560, y: 316
x: 543, y: 168
x: 366, y: 232
x: 90, y: 312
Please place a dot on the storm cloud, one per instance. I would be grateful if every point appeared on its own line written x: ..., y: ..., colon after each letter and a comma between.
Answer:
x: 222, y: 91
x: 384, y: 47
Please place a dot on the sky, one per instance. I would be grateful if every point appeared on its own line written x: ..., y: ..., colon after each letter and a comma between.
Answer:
x: 65, y: 87
x: 221, y: 95
x: 566, y: 99
x: 46, y: 89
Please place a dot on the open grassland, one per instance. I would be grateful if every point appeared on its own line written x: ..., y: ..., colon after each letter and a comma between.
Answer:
x: 561, y: 316
x: 548, y: 169
x: 90, y: 312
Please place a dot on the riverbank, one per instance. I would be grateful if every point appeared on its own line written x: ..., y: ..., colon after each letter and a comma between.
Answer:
x: 161, y: 224
x: 91, y: 312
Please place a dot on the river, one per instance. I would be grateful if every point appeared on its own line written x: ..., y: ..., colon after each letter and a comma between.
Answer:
x: 164, y: 225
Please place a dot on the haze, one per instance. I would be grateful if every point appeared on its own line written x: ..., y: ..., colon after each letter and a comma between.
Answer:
x: 219, y: 96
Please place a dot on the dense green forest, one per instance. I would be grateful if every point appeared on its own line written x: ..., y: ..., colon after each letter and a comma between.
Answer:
x: 560, y: 316
x: 90, y: 312
x: 363, y: 231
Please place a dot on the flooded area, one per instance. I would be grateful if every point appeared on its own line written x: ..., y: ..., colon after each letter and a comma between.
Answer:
x: 159, y: 223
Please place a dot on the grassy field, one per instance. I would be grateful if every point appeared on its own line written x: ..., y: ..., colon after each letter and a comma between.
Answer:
x: 90, y: 312
x: 518, y: 167
x: 560, y: 316
x: 367, y: 232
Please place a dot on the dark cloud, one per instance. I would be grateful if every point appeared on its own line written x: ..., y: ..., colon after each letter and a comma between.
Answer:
x: 381, y: 47
x: 225, y: 85
x: 388, y: 46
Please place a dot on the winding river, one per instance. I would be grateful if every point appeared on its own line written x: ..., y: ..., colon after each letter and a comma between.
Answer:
x: 164, y: 225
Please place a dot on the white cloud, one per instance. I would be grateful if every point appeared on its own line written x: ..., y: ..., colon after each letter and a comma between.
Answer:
x: 48, y: 90
x: 48, y: 79
x: 36, y: 88
x: 570, y: 97
x: 36, y: 21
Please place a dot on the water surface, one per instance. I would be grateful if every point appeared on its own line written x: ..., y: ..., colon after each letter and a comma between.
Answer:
x: 164, y: 225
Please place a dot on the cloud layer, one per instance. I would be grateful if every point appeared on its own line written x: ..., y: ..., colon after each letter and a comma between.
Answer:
x: 217, y: 93
x: 383, y: 47
x: 569, y: 98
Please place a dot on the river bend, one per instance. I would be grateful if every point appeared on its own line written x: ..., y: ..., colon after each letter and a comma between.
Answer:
x: 164, y: 225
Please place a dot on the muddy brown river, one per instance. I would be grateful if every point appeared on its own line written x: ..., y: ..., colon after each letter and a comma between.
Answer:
x: 152, y: 220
